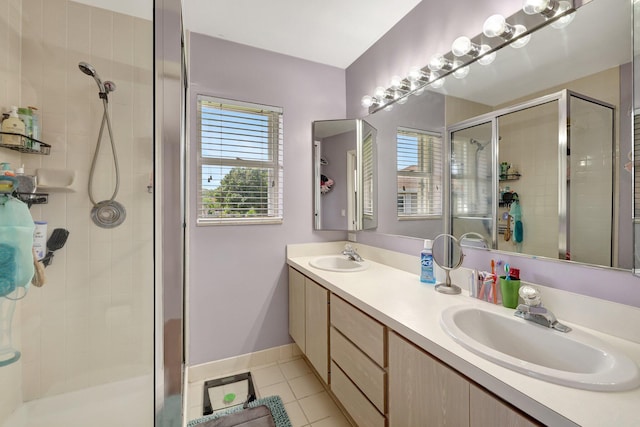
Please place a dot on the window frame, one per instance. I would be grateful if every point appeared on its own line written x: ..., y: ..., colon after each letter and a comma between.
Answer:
x: 432, y: 178
x: 273, y: 164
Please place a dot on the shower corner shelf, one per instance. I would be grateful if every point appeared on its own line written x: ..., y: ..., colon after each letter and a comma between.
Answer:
x: 26, y: 145
x: 33, y: 198
x: 510, y: 176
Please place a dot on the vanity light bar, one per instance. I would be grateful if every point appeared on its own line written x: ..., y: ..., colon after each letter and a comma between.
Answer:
x: 496, y: 28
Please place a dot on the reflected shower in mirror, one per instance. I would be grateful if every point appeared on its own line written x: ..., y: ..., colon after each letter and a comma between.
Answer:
x: 344, y: 158
x: 555, y: 191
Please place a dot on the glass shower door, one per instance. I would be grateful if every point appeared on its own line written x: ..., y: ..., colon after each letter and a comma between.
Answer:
x: 472, y: 194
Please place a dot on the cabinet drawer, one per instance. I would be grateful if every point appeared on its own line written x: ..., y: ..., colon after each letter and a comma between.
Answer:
x: 364, y: 373
x: 360, y: 409
x: 359, y: 328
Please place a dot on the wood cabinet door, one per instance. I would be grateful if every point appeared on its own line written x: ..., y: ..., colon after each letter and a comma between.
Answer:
x: 423, y: 391
x: 317, y: 327
x: 297, y: 308
x: 487, y: 410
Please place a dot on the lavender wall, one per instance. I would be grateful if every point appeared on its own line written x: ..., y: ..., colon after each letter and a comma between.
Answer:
x: 334, y: 150
x: 429, y: 28
x: 237, y: 283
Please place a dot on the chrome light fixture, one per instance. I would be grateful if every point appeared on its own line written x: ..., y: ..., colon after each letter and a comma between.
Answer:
x: 464, y: 46
x: 464, y: 51
x: 420, y: 78
x: 550, y: 9
x: 399, y: 89
x: 441, y: 63
x: 497, y: 26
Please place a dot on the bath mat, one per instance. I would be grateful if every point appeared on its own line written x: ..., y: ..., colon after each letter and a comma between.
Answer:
x: 254, y: 416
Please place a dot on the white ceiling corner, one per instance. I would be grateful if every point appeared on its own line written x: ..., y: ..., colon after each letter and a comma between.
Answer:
x: 332, y: 32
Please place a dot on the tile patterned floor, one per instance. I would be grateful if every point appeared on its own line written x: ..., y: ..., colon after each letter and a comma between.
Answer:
x: 304, y: 397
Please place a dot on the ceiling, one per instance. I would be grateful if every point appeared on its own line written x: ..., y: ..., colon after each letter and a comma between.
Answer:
x: 337, y: 32
x: 332, y: 32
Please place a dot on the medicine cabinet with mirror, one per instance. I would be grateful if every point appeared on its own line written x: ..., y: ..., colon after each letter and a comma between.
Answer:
x: 345, y: 177
x: 590, y: 57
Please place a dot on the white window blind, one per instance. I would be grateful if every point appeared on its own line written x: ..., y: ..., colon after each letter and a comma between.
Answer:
x: 470, y: 177
x: 239, y: 162
x: 419, y: 173
x: 367, y: 175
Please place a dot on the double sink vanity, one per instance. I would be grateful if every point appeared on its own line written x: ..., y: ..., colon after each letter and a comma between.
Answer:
x: 394, y: 352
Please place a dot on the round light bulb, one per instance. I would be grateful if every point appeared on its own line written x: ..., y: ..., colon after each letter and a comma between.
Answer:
x: 461, y: 46
x: 565, y: 20
x: 494, y: 26
x: 380, y: 92
x: 367, y: 101
x: 415, y: 74
x: 461, y: 72
x: 396, y: 82
x: 521, y: 42
x: 438, y: 61
x: 436, y: 82
x: 531, y: 7
x: 488, y: 58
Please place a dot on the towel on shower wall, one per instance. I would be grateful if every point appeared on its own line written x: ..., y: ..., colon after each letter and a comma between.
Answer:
x: 518, y: 228
x: 16, y: 247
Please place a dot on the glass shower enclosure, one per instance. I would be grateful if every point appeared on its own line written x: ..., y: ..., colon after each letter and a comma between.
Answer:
x: 86, y: 337
x: 531, y: 178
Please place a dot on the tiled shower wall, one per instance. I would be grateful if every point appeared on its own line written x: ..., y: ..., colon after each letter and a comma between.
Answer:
x: 92, y: 322
x: 11, y: 375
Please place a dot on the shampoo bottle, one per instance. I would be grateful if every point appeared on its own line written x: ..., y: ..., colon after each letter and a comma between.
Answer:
x: 13, y: 124
x: 427, y: 275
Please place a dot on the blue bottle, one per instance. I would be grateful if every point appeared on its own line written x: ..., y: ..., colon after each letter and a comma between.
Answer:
x: 427, y: 274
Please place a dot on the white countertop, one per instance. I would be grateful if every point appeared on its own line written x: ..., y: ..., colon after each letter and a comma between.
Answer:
x: 399, y: 300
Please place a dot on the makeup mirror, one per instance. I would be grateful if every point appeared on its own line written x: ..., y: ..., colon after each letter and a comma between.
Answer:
x: 447, y: 254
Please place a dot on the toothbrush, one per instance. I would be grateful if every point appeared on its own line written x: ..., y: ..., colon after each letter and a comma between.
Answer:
x: 493, y: 284
x: 482, y: 287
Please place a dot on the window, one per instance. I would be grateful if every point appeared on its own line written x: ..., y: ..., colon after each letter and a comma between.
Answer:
x: 239, y: 162
x: 367, y: 176
x: 419, y: 173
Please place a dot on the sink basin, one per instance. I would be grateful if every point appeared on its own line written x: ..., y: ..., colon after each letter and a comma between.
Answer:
x: 574, y: 359
x: 338, y: 263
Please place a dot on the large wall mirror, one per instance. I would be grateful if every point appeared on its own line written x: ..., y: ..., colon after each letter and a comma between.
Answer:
x: 345, y: 177
x: 636, y: 137
x: 591, y: 58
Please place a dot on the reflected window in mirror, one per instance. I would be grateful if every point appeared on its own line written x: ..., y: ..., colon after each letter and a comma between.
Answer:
x: 367, y: 177
x: 471, y: 175
x: 419, y: 173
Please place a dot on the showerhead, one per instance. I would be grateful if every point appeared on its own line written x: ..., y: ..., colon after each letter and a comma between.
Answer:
x: 105, y: 88
x: 480, y: 145
x: 87, y: 69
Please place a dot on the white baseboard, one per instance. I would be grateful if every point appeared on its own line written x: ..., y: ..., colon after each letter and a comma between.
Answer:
x: 242, y: 363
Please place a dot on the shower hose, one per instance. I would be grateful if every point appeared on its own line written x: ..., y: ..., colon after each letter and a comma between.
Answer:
x: 107, y: 120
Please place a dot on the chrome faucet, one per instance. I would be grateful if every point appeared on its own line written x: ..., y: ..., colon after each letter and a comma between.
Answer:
x: 534, y: 311
x: 350, y: 252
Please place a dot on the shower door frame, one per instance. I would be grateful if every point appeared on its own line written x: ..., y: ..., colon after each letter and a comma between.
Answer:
x: 170, y: 111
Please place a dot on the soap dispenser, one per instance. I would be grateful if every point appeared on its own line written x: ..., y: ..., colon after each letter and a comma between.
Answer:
x: 13, y: 124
